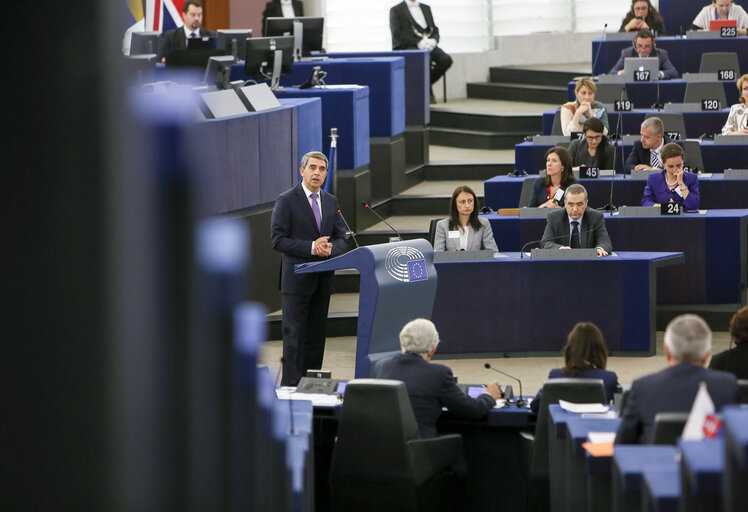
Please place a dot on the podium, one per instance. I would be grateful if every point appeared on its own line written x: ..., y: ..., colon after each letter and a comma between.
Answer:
x: 398, y: 284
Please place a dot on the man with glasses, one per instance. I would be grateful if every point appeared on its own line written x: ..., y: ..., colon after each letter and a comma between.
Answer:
x: 644, y: 46
x: 576, y: 226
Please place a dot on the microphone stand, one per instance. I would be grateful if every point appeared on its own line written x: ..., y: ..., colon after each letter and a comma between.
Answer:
x: 610, y: 207
x: 350, y: 231
x: 600, y: 47
x: 366, y: 205
x: 520, y: 401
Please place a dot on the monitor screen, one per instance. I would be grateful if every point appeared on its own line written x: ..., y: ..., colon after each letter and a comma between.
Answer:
x: 201, y: 43
x: 233, y: 41
x: 140, y: 69
x: 260, y: 56
x: 190, y: 58
x: 144, y: 43
x: 218, y: 71
x: 313, y: 29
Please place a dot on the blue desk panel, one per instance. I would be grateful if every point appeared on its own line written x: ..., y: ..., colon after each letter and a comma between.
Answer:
x: 697, y: 123
x: 702, y: 467
x: 679, y: 14
x: 308, y: 124
x: 714, y: 245
x: 252, y: 157
x: 417, y: 81
x: 348, y: 111
x: 717, y: 157
x: 577, y: 478
x: 735, y: 425
x: 645, y: 94
x: 685, y: 54
x: 506, y: 294
x: 661, y: 489
x: 629, y: 464
x: 715, y: 191
x: 385, y: 77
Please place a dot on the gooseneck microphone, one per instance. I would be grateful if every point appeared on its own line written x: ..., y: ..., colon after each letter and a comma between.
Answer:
x: 600, y: 47
x: 610, y: 207
x: 349, y: 231
x: 366, y: 205
x: 522, y: 251
x: 520, y: 401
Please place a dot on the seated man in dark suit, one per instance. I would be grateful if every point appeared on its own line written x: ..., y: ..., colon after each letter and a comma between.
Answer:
x: 576, y: 226
x: 735, y: 360
x: 282, y: 9
x: 646, y: 151
x: 688, y: 344
x: 192, y: 15
x: 431, y: 386
x: 644, y: 46
x: 413, y: 27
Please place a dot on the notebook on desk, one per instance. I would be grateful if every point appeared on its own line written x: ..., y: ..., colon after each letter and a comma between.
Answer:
x: 641, y: 69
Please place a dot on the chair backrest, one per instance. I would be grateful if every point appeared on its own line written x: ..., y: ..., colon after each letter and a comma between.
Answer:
x: 697, y: 91
x: 714, y: 62
x: 556, y: 128
x: 432, y: 230
x: 375, y: 424
x: 673, y: 123
x: 668, y: 427
x: 526, y: 194
x: 571, y: 390
x: 610, y: 93
x: 743, y: 391
x: 692, y: 153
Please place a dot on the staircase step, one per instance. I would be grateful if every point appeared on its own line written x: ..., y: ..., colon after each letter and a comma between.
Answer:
x: 486, y: 122
x: 531, y: 76
x: 475, y: 139
x: 469, y: 171
x: 517, y: 92
x: 338, y: 324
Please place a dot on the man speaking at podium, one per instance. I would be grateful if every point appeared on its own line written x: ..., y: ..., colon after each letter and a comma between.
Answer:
x: 576, y: 227
x: 306, y: 227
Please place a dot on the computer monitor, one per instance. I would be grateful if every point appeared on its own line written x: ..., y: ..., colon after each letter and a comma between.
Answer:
x: 641, y: 69
x: 232, y: 41
x: 142, y: 43
x: 190, y: 58
x: 312, y: 29
x: 268, y: 57
x: 141, y: 68
x: 218, y: 71
x: 201, y: 43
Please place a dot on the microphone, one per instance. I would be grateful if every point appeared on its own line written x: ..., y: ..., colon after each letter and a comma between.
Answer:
x: 610, y: 207
x: 349, y: 231
x: 366, y: 205
x: 522, y: 251
x: 600, y: 47
x: 519, y: 402
x: 658, y: 105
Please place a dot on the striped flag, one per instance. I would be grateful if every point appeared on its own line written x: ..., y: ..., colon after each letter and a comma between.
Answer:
x: 701, y: 419
x: 163, y: 15
x: 134, y: 22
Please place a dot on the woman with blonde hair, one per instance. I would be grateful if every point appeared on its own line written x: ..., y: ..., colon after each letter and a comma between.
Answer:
x: 737, y: 120
x: 575, y: 113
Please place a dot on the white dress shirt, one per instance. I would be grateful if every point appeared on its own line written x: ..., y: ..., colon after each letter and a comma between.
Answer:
x: 417, y: 13
x: 287, y: 7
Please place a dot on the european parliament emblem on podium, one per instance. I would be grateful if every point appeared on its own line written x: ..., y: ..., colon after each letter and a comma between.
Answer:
x: 398, y: 284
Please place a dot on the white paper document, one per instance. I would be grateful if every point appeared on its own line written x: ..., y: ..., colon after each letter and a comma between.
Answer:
x: 582, y: 408
x: 601, y: 437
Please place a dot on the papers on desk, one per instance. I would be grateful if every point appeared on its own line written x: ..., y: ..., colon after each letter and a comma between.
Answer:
x: 583, y: 408
x: 601, y: 437
x: 500, y: 403
x: 317, y: 399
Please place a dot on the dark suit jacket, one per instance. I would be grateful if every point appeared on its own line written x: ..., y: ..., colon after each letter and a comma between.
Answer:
x: 657, y: 191
x: 557, y: 230
x: 540, y: 193
x: 293, y: 229
x: 670, y: 390
x: 431, y: 386
x: 667, y: 68
x: 639, y: 155
x: 734, y: 361
x: 273, y: 9
x: 610, y: 381
x: 402, y: 24
x: 578, y: 151
x: 175, y: 40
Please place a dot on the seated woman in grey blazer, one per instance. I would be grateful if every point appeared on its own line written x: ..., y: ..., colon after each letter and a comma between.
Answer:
x: 464, y: 230
x: 594, y: 150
